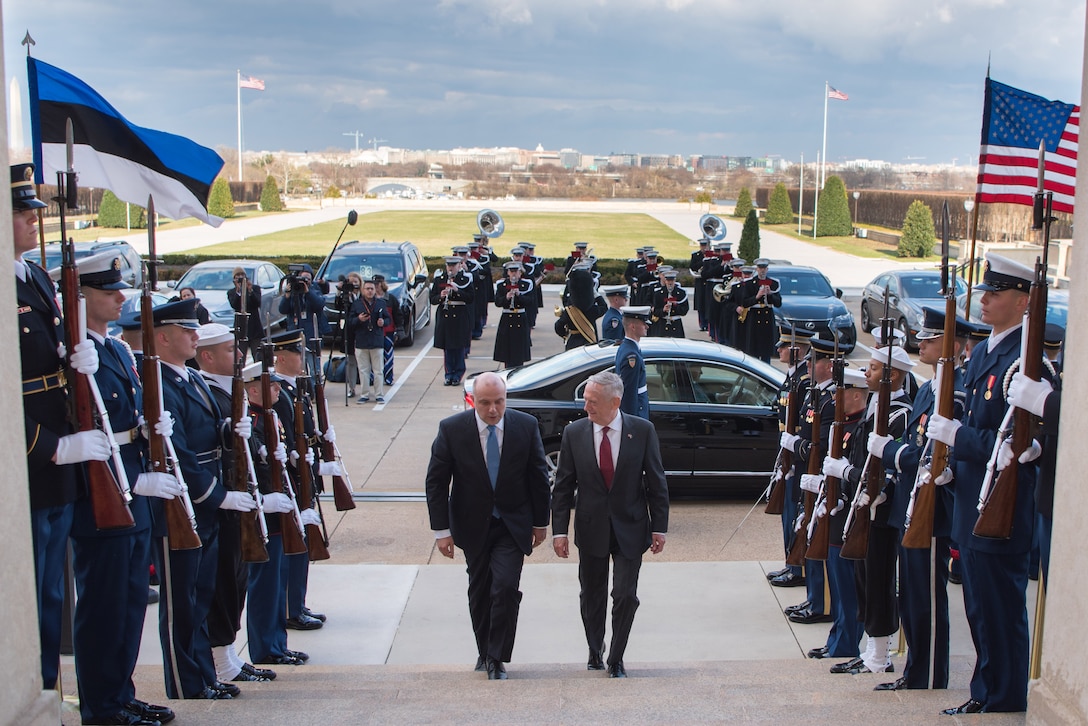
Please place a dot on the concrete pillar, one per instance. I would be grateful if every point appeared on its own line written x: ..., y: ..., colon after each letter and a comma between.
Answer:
x: 22, y: 700
x: 1060, y: 696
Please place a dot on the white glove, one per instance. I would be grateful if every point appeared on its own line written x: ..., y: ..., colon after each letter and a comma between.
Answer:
x: 863, y: 499
x: 943, y: 429
x: 85, y: 358
x: 277, y: 503
x: 243, y: 429
x: 262, y: 452
x: 787, y: 441
x: 294, y: 458
x: 83, y: 446
x: 310, y: 516
x: 835, y: 468
x: 944, y: 478
x: 877, y: 443
x: 157, y: 484
x: 330, y: 468
x: 310, y: 456
x: 839, y: 506
x: 1004, y: 454
x: 330, y: 435
x: 238, y: 502
x: 811, y: 482
x: 280, y: 454
x: 62, y: 352
x: 165, y: 425
x: 1028, y: 394
x: 881, y: 498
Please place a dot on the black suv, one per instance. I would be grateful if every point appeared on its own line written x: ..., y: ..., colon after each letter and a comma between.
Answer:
x: 404, y: 270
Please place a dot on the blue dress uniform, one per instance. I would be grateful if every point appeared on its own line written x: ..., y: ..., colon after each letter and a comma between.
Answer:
x: 111, y: 566
x: 53, y: 488
x: 513, y: 344
x: 188, y: 577
x: 453, y: 318
x: 920, y: 606
x: 995, y: 572
x: 632, y: 370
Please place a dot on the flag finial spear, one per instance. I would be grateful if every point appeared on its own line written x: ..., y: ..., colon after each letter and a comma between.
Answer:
x: 28, y: 41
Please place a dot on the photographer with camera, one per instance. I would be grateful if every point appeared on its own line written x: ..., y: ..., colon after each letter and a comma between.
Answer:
x: 348, y: 290
x: 303, y: 303
x: 246, y: 297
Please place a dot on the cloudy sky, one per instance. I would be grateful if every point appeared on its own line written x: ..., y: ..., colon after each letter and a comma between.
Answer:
x: 734, y: 77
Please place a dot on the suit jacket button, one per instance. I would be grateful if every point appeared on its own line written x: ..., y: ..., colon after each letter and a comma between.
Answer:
x: 26, y: 330
x: 115, y: 395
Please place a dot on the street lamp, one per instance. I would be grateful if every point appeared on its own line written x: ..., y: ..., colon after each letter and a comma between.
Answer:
x: 968, y: 206
x: 856, y: 196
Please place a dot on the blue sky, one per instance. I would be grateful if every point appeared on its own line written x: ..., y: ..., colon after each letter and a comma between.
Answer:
x: 732, y: 77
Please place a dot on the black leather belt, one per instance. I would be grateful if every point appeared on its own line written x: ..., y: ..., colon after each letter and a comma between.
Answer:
x: 44, y: 383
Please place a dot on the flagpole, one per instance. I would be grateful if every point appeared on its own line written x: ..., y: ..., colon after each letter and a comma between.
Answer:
x: 816, y: 199
x: 238, y: 90
x: 801, y: 196
x: 823, y: 168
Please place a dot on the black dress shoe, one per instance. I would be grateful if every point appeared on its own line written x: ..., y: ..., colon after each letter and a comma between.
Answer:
x: 616, y: 670
x: 808, y: 617
x: 303, y: 622
x: 211, y: 694
x: 859, y: 669
x: 150, y: 711
x: 823, y: 652
x: 496, y: 671
x: 778, y: 573
x: 281, y: 660
x: 123, y: 717
x: 899, y: 684
x: 152, y: 596
x: 230, y: 688
x: 972, y: 706
x: 595, y: 662
x: 846, y: 666
x: 267, y: 673
x: 244, y: 677
x: 794, y: 608
x: 481, y: 664
x: 954, y: 579
x: 316, y: 616
x: 297, y: 654
x: 788, y: 580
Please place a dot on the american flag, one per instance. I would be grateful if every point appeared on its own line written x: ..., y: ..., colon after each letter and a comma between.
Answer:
x: 250, y: 82
x: 1013, y: 124
x: 836, y: 94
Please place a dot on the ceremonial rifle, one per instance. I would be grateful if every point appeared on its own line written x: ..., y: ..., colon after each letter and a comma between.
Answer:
x: 821, y: 533
x: 923, y: 499
x: 776, y: 496
x: 341, y: 484
x: 318, y: 547
x: 109, y: 489
x: 290, y: 522
x: 799, y: 546
x: 254, y: 530
x: 855, y: 541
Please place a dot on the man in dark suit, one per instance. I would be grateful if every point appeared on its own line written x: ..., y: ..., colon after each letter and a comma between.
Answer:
x: 496, y: 511
x: 612, y: 461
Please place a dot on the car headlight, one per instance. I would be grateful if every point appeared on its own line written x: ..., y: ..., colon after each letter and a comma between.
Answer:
x: 842, y: 321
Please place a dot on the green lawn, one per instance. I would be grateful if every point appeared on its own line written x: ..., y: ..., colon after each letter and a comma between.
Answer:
x: 93, y: 234
x: 858, y: 246
x: 610, y: 236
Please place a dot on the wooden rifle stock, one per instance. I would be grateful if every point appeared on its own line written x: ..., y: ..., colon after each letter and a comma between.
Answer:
x: 776, y: 497
x: 341, y: 489
x: 855, y: 541
x: 180, y: 527
x: 315, y: 539
x: 293, y: 543
x: 799, y: 546
x: 821, y: 534
x: 252, y: 538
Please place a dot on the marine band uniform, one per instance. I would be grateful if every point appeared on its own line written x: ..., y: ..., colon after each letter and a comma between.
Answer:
x: 513, y: 343
x: 670, y: 305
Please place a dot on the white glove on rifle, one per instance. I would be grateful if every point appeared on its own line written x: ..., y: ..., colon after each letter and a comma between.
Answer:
x: 881, y: 498
x: 157, y: 484
x: 839, y: 506
x: 1004, y: 454
x: 943, y: 429
x: 243, y: 429
x: 330, y: 468
x: 788, y: 441
x: 310, y: 516
x: 877, y: 443
x: 238, y: 502
x: 811, y: 482
x: 330, y: 435
x: 83, y: 446
x: 85, y: 358
x: 294, y: 458
x: 163, y: 427
x: 280, y: 454
x: 863, y: 499
x: 1028, y: 394
x: 944, y: 478
x: 277, y: 503
x: 310, y: 456
x: 836, y: 468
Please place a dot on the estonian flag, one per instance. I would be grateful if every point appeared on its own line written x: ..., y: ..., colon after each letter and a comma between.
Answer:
x: 112, y: 153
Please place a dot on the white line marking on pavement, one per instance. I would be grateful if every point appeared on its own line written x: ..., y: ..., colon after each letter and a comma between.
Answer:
x: 407, y: 372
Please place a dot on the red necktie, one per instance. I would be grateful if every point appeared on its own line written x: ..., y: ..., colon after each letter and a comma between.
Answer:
x: 607, y: 468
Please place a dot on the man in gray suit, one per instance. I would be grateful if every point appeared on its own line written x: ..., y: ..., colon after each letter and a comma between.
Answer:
x: 496, y: 510
x: 612, y: 461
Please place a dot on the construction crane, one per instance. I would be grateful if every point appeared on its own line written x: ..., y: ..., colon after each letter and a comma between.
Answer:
x: 376, y: 142
x: 356, y: 134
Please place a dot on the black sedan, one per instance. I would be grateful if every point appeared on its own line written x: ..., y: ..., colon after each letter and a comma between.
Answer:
x: 908, y: 292
x: 713, y: 408
x: 812, y: 305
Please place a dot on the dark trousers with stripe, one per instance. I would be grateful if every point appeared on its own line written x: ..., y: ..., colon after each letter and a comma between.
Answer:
x: 266, y: 615
x: 186, y: 591
x: 494, y: 575
x: 846, y: 631
x: 789, y: 516
x: 49, y: 530
x: 923, y: 611
x: 112, y: 576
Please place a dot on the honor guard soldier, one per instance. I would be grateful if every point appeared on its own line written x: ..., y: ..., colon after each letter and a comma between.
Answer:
x: 759, y: 295
x: 629, y: 364
x: 612, y: 323
x: 53, y: 449
x: 188, y: 576
x: 513, y: 344
x: 995, y: 571
x: 111, y: 565
x: 713, y: 276
x: 696, y: 269
x: 534, y: 272
x: 485, y: 291
x: 923, y: 573
x: 453, y: 292
x: 670, y: 305
x: 215, y: 353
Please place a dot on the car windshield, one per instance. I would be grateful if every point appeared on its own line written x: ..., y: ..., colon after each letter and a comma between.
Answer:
x: 921, y: 285
x: 1057, y: 308
x: 367, y: 265
x: 53, y: 256
x: 218, y: 278
x: 803, y: 282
